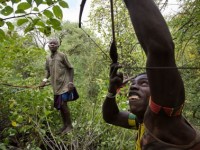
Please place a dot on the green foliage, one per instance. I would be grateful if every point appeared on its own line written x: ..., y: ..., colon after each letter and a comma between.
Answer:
x: 129, y: 50
x: 26, y: 13
x: 23, y: 6
x: 63, y: 4
x: 28, y: 112
x: 7, y: 11
x: 48, y: 13
x: 21, y: 65
x: 184, y: 27
x: 27, y: 117
x: 58, y: 12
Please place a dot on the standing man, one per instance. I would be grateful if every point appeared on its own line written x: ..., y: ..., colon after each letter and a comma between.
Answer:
x: 61, y: 75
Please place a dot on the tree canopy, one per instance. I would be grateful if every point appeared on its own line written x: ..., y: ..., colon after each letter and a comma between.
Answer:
x: 42, y: 15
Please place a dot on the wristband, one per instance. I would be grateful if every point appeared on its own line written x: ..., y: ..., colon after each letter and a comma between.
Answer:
x: 110, y: 95
x: 44, y: 80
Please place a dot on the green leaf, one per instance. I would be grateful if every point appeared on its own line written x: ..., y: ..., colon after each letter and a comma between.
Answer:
x: 55, y: 22
x: 2, y: 34
x: 47, y: 112
x: 42, y: 131
x: 29, y: 28
x: 25, y: 128
x: 1, y: 22
x: 29, y: 1
x: 20, y: 11
x: 47, y: 30
x: 12, y: 131
x: 38, y: 2
x: 10, y: 26
x: 3, y: 146
x: 63, y: 4
x: 40, y: 15
x: 41, y: 29
x: 35, y: 20
x: 15, y: 1
x: 19, y: 119
x: 24, y: 6
x: 49, y: 2
x: 40, y: 23
x: 22, y: 21
x: 35, y: 9
x: 48, y: 14
x: 7, y: 11
x: 48, y: 22
x: 58, y: 12
x: 57, y: 28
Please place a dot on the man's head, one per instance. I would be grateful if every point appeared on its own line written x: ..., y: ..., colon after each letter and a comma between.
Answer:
x: 53, y: 45
x: 139, y: 93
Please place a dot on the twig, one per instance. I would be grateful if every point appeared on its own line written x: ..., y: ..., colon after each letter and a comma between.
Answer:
x: 31, y: 87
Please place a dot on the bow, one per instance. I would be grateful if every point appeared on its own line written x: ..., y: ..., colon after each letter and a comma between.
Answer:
x: 81, y: 11
x: 113, y: 48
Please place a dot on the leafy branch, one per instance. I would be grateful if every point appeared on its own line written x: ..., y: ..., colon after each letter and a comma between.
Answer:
x: 45, y: 20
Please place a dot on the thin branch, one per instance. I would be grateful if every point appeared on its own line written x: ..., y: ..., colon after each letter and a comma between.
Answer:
x: 19, y: 86
x: 27, y: 14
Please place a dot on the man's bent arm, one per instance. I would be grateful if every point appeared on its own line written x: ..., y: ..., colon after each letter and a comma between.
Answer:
x: 47, y: 71
x: 47, y: 74
x: 69, y: 67
x: 71, y: 75
x: 112, y: 115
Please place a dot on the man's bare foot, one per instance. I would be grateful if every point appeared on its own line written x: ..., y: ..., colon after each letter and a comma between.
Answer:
x: 66, y: 129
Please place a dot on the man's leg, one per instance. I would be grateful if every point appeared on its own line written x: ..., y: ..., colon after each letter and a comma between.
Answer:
x: 65, y: 113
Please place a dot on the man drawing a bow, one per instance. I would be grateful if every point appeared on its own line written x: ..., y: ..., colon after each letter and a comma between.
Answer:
x: 165, y: 127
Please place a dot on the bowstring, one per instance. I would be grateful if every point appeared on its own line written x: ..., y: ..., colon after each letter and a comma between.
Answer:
x: 81, y: 11
x: 113, y: 48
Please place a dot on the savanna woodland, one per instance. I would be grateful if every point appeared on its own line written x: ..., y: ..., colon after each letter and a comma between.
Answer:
x: 27, y: 117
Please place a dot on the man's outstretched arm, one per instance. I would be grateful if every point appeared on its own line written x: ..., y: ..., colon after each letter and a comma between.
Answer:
x: 153, y: 34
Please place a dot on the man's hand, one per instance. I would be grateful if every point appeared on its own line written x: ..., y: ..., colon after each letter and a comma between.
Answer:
x: 42, y: 84
x: 70, y: 86
x: 116, y: 78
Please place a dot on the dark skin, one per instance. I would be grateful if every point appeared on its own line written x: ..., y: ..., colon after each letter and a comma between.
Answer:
x: 166, y: 85
x: 138, y: 99
x: 64, y: 110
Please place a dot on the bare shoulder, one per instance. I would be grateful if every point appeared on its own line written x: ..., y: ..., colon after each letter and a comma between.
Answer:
x: 61, y: 53
x: 47, y: 57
